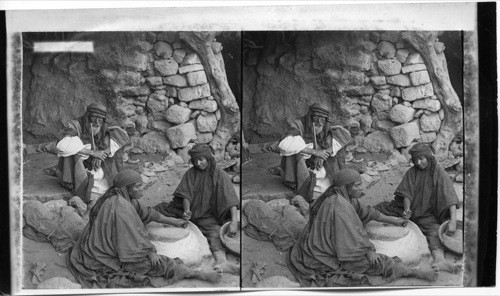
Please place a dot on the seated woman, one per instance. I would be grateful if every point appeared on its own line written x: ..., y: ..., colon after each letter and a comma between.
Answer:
x: 206, y: 196
x: 426, y: 196
x: 114, y: 250
x: 334, y: 249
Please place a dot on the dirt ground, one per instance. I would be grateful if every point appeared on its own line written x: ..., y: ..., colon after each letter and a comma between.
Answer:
x: 255, y: 171
x: 163, y: 185
x: 257, y: 183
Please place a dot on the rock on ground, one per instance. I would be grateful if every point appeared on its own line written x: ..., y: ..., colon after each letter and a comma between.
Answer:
x: 153, y: 142
x: 404, y: 134
x: 378, y: 141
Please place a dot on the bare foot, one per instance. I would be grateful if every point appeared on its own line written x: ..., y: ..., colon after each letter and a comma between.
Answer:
x: 228, y: 267
x: 427, y: 273
x: 214, y: 276
x: 448, y: 266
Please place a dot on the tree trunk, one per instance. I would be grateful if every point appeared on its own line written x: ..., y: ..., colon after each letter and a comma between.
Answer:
x: 424, y: 42
x: 229, y: 124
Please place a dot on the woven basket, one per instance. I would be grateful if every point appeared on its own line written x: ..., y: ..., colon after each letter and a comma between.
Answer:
x: 453, y: 243
x: 232, y: 244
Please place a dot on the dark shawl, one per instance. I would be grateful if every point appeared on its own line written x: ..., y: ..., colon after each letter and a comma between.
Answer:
x: 336, y: 234
x: 210, y: 192
x: 112, y: 251
x: 430, y: 191
x: 73, y: 168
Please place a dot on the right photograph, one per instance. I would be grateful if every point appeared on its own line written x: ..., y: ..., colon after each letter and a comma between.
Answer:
x: 353, y: 168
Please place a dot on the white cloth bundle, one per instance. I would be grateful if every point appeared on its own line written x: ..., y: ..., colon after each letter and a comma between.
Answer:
x: 292, y: 145
x: 69, y: 146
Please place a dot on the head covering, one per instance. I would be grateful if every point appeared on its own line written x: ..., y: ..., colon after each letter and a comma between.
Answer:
x: 201, y: 150
x: 345, y: 176
x: 122, y: 179
x: 420, y: 149
x: 127, y: 177
x: 340, y: 179
x: 319, y: 109
x: 97, y: 110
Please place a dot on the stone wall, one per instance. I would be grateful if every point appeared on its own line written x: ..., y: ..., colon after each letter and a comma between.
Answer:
x: 153, y: 84
x: 376, y: 84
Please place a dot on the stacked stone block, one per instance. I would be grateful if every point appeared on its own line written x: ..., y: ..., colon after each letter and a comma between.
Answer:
x: 165, y: 101
x: 396, y: 97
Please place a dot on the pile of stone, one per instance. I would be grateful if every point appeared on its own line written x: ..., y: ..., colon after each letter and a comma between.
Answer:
x: 394, y: 103
x: 165, y: 101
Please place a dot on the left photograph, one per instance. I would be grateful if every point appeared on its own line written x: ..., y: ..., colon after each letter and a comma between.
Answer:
x: 130, y: 160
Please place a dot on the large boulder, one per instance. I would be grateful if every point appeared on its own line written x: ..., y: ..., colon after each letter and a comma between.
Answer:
x: 359, y: 60
x: 189, y: 94
x: 427, y: 104
x: 418, y: 92
x: 160, y: 125
x: 157, y: 102
x: 386, y: 49
x: 404, y: 134
x: 204, y: 104
x: 419, y: 77
x: 381, y: 102
x: 154, y: 80
x: 196, y: 78
x: 378, y: 80
x: 163, y: 49
x: 190, y: 59
x: 389, y: 66
x: 177, y: 114
x: 414, y: 58
x: 383, y: 125
x: 136, y: 61
x: 207, y: 123
x: 181, y: 134
x: 153, y: 142
x: 401, y: 114
x: 178, y: 56
x: 166, y: 67
x: 428, y: 137
x: 430, y: 123
x: 400, y: 79
x: 378, y: 142
x: 175, y: 80
x: 401, y: 55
